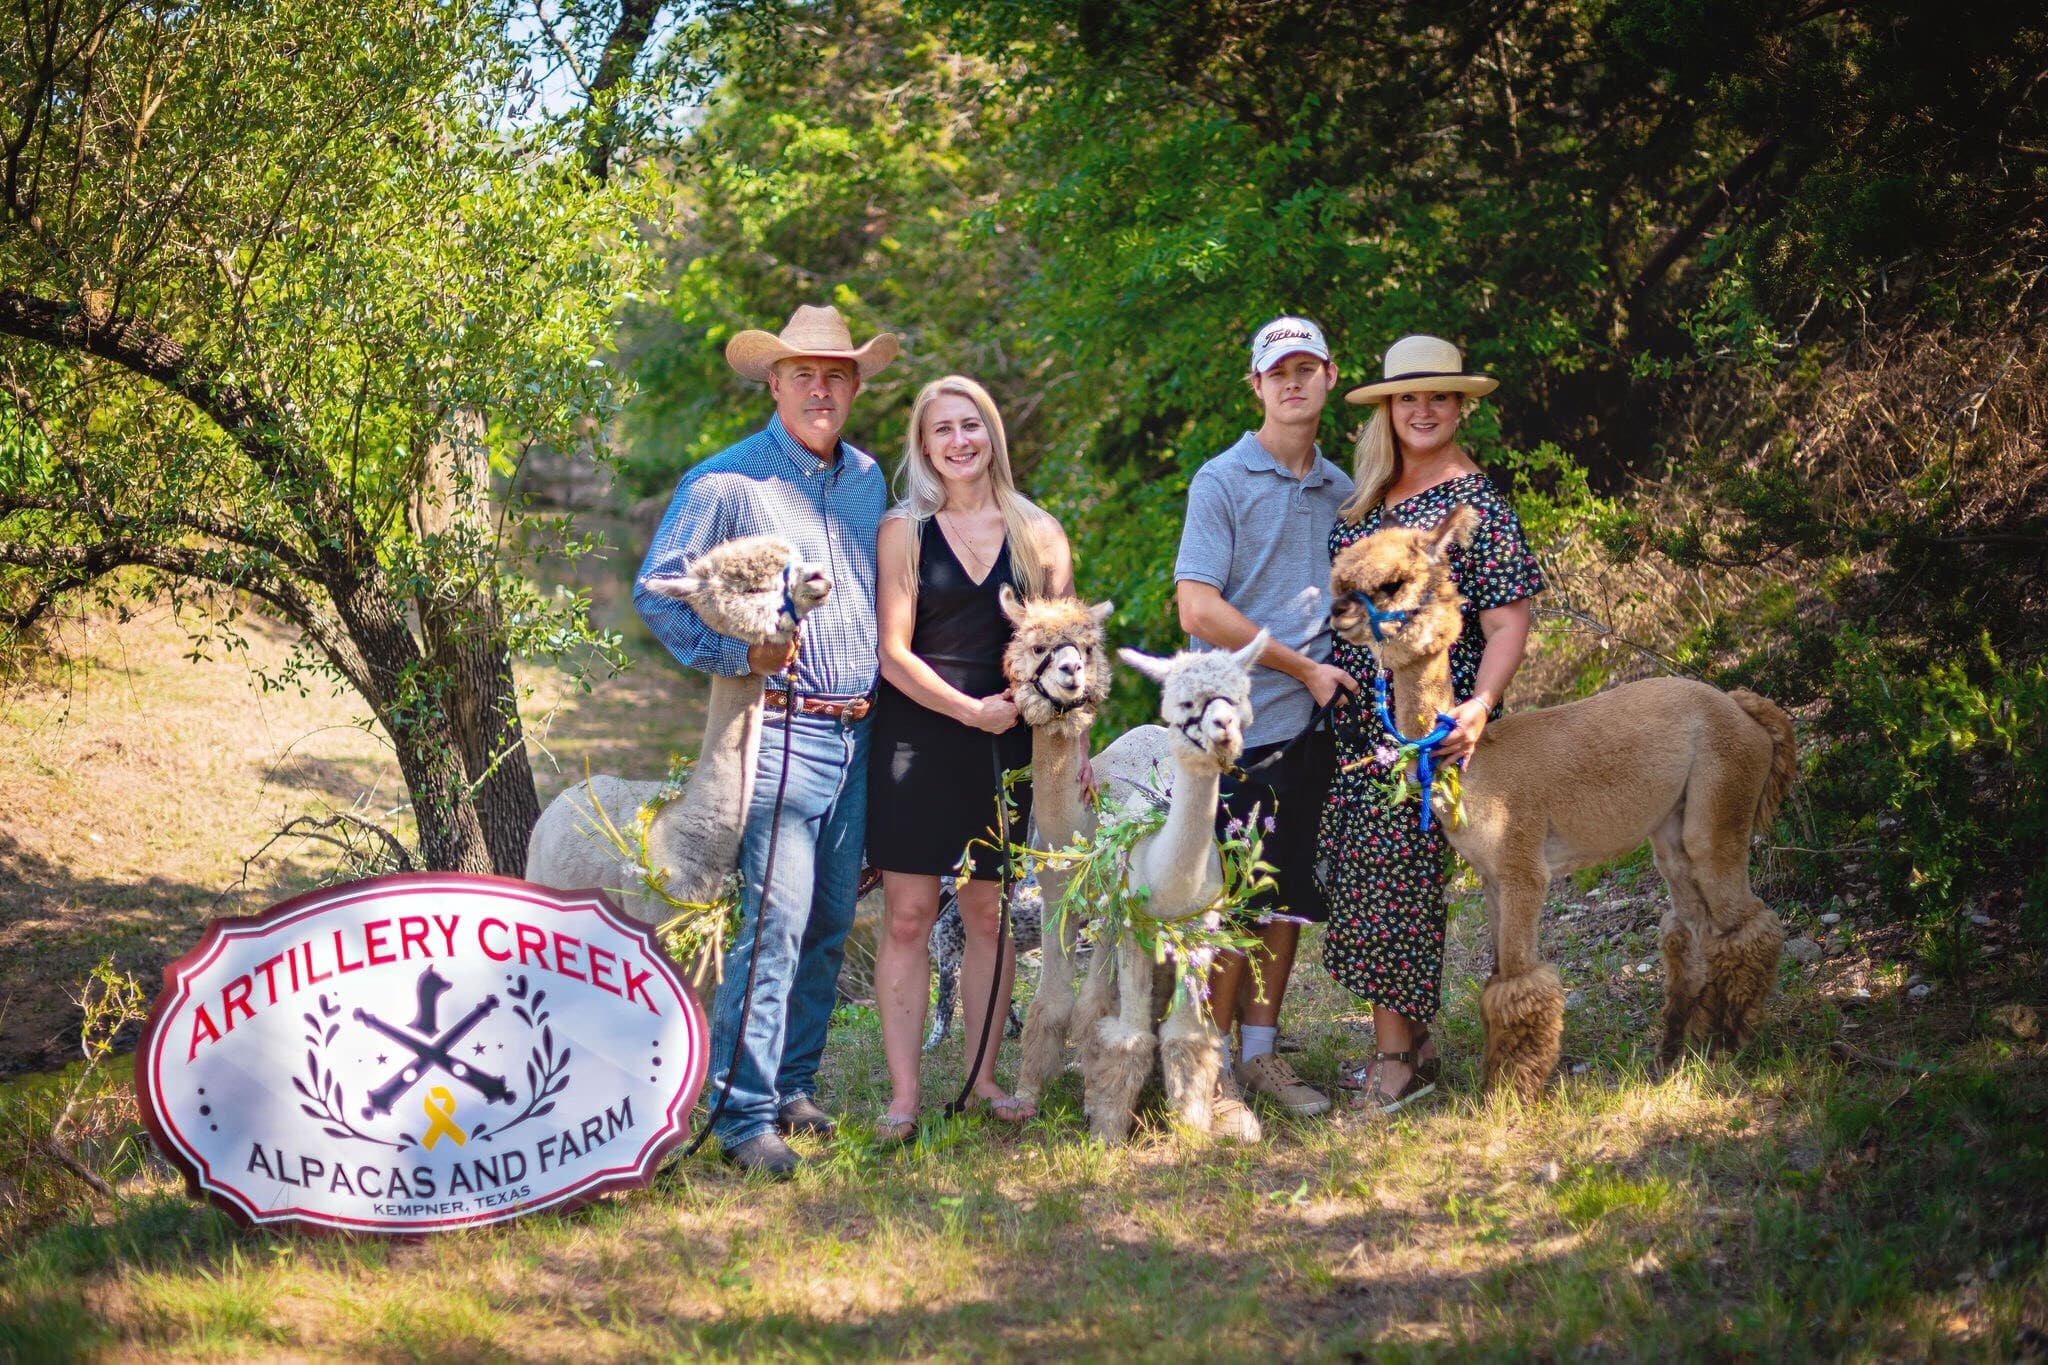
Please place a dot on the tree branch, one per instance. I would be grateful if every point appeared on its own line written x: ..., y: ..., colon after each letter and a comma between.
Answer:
x: 77, y: 565
x: 144, y: 350
x: 1703, y: 217
x: 621, y: 52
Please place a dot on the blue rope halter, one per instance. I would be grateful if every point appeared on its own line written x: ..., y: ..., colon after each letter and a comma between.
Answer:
x: 789, y: 594
x: 1376, y: 616
x: 1425, y: 747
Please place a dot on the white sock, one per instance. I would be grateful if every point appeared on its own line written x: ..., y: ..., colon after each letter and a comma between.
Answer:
x: 1257, y: 1041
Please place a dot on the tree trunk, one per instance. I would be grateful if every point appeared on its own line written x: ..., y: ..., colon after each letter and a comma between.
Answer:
x: 483, y: 705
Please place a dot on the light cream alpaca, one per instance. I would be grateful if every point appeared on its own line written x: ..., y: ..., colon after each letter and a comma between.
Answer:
x: 1059, y: 673
x: 1205, y: 700
x: 754, y: 589
x: 1690, y: 768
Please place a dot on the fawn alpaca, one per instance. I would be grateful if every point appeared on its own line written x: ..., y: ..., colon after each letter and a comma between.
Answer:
x: 1690, y: 768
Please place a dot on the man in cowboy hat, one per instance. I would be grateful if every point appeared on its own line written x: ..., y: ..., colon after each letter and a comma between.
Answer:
x: 794, y: 479
x: 1254, y: 553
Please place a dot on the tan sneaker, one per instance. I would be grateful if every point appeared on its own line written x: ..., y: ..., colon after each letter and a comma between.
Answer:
x: 1229, y: 1116
x: 1269, y: 1074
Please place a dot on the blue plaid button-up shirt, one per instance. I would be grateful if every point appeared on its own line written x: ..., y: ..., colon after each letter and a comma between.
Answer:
x: 770, y: 484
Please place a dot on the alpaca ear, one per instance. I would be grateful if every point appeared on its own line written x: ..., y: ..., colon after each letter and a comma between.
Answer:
x: 1100, y: 612
x: 681, y: 586
x: 1012, y: 605
x: 1249, y: 655
x: 1456, y: 528
x: 1155, y: 669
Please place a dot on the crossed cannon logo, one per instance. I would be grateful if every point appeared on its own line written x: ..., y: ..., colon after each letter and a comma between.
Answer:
x: 432, y: 1049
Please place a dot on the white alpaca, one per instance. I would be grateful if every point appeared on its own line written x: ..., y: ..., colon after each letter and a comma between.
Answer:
x: 1205, y: 702
x: 1059, y: 673
x: 754, y: 589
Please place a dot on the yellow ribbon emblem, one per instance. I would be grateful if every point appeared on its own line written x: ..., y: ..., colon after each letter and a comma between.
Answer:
x: 440, y: 1109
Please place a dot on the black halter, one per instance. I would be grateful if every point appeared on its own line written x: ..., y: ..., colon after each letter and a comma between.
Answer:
x: 1059, y: 708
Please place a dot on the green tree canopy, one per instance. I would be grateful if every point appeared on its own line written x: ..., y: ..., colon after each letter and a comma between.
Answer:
x: 284, y: 284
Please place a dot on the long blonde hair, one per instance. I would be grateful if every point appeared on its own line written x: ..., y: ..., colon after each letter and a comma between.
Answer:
x: 923, y: 492
x: 1376, y: 461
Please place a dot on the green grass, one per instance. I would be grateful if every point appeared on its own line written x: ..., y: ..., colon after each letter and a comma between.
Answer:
x: 1776, y: 1204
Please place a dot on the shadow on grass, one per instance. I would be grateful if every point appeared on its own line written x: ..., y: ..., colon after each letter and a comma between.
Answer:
x: 44, y: 1315
x: 141, y: 924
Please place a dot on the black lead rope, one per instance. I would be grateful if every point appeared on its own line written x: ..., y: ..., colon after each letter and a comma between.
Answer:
x: 995, y: 982
x: 732, y: 1062
x: 1315, y: 718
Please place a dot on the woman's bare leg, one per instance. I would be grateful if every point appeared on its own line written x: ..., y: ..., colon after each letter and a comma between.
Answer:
x: 980, y: 915
x: 903, y: 980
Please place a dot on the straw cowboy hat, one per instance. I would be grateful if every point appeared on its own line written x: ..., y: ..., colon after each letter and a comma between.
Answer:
x: 817, y: 332
x: 1423, y: 364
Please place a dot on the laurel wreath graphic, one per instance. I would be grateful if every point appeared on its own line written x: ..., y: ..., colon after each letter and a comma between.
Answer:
x: 325, y: 1103
x: 547, y: 1072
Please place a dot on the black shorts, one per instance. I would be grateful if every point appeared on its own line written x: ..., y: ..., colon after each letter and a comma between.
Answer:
x: 1292, y: 792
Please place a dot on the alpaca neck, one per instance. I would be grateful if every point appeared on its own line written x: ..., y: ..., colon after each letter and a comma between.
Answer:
x: 1056, y: 783
x: 1422, y: 687
x: 697, y: 836
x: 1177, y: 864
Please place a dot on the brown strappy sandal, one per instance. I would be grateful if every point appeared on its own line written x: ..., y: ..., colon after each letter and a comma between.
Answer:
x: 1370, y: 1096
x: 1432, y: 1069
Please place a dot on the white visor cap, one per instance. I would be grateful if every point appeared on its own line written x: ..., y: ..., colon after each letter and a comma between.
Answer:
x: 1281, y: 338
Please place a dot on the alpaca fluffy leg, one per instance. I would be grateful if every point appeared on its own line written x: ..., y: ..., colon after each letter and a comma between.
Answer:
x: 1742, y: 970
x: 1096, y: 1003
x: 1052, y: 1011
x: 1191, y: 1060
x: 1523, y: 1005
x: 1685, y: 931
x: 1742, y: 948
x: 1524, y: 1018
x: 1115, y: 1069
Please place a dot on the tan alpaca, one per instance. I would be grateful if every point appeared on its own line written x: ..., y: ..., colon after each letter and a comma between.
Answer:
x: 1059, y: 673
x: 1205, y: 700
x: 1690, y: 768
x: 754, y: 589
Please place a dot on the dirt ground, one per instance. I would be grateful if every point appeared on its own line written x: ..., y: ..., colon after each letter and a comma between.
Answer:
x: 140, y: 790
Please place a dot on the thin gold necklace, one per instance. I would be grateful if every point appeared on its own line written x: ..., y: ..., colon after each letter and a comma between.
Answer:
x: 981, y: 565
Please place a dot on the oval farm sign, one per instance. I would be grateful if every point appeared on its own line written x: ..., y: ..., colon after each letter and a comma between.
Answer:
x: 419, y: 1052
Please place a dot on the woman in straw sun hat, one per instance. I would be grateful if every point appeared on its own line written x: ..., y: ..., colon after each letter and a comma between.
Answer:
x: 1384, y: 876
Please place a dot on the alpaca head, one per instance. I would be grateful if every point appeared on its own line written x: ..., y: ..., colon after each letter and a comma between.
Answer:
x: 1405, y: 573
x: 754, y: 588
x: 1204, y: 699
x: 1056, y: 664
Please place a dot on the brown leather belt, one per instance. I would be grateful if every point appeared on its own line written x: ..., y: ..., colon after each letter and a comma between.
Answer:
x: 854, y: 710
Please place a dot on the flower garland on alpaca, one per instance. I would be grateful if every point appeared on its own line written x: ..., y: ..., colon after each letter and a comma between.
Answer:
x: 1447, y: 786
x: 697, y: 926
x: 1099, y: 891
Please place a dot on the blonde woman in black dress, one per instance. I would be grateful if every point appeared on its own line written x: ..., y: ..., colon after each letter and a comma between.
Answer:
x: 944, y: 720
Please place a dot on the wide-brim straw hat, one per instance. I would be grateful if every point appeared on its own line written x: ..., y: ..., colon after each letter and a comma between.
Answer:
x: 1420, y: 364
x: 812, y: 331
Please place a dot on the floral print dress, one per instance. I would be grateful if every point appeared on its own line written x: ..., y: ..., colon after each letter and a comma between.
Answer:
x: 1382, y: 876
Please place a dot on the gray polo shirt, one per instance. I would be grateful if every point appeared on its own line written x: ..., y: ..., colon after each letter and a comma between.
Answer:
x: 1261, y: 537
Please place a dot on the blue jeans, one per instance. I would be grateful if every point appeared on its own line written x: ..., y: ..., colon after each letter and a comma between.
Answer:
x: 802, y: 931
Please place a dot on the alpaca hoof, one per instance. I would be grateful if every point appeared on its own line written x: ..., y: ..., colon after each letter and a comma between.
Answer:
x: 1524, y: 1018
x: 1121, y: 1060
x: 1742, y: 971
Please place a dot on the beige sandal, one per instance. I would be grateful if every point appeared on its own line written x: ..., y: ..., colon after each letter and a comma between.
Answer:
x: 892, y: 1129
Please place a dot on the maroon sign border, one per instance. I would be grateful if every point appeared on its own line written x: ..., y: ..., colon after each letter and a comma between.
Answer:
x: 639, y: 1175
